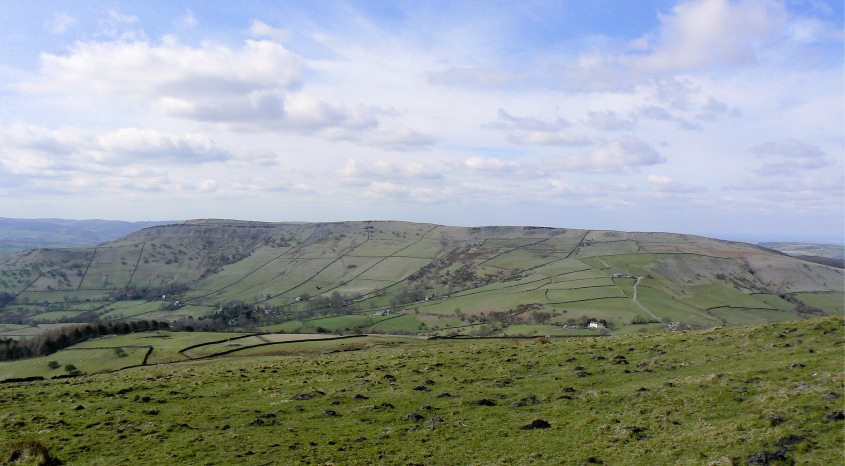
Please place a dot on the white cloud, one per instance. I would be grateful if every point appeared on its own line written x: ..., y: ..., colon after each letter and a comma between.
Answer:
x: 168, y: 70
x: 262, y: 29
x: 624, y: 154
x: 207, y: 186
x: 256, y: 88
x: 704, y: 33
x: 533, y: 131
x: 608, y: 120
x: 60, y: 23
x: 189, y: 20
x: 359, y: 172
x: 802, y: 186
x: 665, y: 184
x: 793, y: 156
x: 115, y: 26
x: 42, y: 151
x: 136, y: 145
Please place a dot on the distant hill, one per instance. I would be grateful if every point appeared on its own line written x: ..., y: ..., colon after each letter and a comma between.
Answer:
x: 399, y: 277
x: 19, y: 234
x: 833, y: 251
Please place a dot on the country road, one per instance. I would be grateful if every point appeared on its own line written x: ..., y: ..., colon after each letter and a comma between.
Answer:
x: 644, y: 308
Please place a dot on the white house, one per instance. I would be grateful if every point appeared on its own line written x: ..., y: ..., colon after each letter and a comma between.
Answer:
x: 595, y: 325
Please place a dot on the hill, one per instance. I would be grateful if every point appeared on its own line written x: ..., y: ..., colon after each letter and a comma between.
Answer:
x: 397, y: 277
x: 765, y: 395
x: 18, y: 234
x: 832, y: 251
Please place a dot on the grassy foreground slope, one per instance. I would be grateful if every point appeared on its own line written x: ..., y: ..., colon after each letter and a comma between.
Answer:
x: 290, y: 273
x: 727, y: 396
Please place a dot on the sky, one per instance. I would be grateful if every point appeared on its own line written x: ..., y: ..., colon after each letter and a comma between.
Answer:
x: 722, y: 118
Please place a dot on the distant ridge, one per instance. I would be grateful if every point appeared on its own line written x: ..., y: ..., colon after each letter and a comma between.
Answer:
x: 18, y: 234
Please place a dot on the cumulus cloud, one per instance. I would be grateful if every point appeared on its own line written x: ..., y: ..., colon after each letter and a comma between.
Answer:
x: 533, y: 131
x: 262, y: 29
x: 358, y: 172
x: 665, y: 184
x: 624, y: 154
x: 169, y: 70
x: 804, y: 186
x: 474, y: 77
x: 42, y: 151
x: 257, y: 87
x: 60, y: 23
x: 703, y: 33
x: 608, y: 120
x: 792, y: 156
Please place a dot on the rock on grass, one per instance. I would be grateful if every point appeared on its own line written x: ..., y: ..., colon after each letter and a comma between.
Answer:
x: 767, y: 457
x: 536, y: 424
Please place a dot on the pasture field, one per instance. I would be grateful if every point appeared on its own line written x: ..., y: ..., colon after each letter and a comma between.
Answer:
x: 726, y: 396
x: 166, y: 345
x: 128, y: 309
x: 86, y: 360
x: 832, y: 303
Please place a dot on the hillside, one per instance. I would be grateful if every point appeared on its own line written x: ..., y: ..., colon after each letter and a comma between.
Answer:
x: 415, y: 278
x: 18, y: 234
x: 630, y: 399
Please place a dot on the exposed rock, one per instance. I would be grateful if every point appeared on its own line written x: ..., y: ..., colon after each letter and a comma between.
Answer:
x: 536, y: 424
x: 767, y: 457
x: 790, y: 440
x: 834, y: 416
x: 414, y: 417
x: 775, y: 420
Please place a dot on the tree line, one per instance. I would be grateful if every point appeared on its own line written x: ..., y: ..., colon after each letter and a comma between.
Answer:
x: 55, y: 340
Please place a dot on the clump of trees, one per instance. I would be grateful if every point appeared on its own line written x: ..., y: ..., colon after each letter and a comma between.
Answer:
x: 584, y: 321
x: 149, y: 293
x: 6, y: 298
x: 55, y: 340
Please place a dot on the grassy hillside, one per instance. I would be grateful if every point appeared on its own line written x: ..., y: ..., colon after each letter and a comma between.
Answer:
x: 761, y: 395
x: 438, y: 279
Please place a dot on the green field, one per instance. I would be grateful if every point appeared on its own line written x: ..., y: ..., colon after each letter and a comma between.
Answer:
x: 702, y: 397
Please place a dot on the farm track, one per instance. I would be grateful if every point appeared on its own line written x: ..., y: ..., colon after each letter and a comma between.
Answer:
x: 634, y: 299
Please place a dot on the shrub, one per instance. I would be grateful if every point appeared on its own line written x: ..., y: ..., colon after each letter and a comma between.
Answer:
x: 30, y: 451
x: 54, y: 365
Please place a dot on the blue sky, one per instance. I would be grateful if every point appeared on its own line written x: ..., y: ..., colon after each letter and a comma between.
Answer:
x: 714, y: 117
